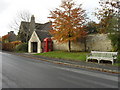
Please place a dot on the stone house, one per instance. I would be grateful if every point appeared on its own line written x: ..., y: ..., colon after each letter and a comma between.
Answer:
x: 35, y: 44
x: 11, y: 36
x: 37, y: 33
x: 26, y: 29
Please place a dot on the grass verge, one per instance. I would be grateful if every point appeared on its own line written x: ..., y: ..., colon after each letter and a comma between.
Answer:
x: 118, y: 61
x: 79, y: 56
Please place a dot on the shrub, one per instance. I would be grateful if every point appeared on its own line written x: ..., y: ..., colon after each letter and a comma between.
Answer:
x: 16, y: 42
x: 10, y: 46
x: 118, y: 59
x: 115, y: 39
x: 22, y: 47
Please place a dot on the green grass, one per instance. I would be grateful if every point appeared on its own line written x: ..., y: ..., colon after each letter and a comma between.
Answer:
x: 79, y: 56
x: 117, y: 64
x: 118, y: 61
x: 65, y: 55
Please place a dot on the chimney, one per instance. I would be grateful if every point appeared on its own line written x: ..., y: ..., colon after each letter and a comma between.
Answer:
x: 32, y: 24
x: 32, y: 18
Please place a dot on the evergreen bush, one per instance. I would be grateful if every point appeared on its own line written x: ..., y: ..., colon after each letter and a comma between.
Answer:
x: 22, y: 47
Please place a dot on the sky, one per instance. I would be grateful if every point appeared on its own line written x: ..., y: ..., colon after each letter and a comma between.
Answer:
x: 39, y: 8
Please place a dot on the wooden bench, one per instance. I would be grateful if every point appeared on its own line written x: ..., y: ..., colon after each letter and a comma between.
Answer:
x: 97, y: 55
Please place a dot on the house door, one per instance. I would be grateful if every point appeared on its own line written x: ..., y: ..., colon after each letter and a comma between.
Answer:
x: 34, y: 46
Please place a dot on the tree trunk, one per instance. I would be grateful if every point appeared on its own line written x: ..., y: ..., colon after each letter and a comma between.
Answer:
x: 69, y: 46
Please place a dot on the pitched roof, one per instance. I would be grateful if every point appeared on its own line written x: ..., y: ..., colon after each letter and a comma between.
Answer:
x: 38, y: 26
x: 42, y: 34
x: 42, y: 30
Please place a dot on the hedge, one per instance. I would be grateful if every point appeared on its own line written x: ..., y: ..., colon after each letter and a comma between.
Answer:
x: 22, y: 47
x: 10, y: 46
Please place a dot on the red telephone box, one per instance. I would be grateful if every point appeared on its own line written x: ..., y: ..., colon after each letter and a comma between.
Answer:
x: 48, y: 45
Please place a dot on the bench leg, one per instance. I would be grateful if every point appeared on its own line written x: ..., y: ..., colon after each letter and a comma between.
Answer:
x: 86, y: 60
x: 98, y: 61
x: 112, y: 62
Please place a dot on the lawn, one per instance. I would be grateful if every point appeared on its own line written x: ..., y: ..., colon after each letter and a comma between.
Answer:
x: 66, y: 55
x: 79, y: 56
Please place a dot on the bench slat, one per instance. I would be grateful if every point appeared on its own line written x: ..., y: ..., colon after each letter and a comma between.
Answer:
x: 109, y: 56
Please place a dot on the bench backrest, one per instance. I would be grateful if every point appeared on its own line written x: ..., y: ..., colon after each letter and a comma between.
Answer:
x: 104, y: 54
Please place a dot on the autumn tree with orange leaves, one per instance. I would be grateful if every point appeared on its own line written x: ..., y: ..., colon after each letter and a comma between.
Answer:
x: 68, y: 23
x: 5, y: 38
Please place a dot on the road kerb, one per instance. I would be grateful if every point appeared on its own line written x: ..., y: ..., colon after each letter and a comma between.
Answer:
x: 74, y: 65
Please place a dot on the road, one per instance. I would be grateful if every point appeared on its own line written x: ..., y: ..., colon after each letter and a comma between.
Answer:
x: 21, y: 72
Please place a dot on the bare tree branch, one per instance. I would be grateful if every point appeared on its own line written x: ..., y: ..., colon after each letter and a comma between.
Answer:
x: 21, y: 16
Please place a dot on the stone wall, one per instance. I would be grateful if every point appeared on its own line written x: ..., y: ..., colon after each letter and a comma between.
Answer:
x: 98, y: 42
x: 74, y: 46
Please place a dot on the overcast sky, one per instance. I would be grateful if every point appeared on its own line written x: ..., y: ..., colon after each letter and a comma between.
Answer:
x: 40, y: 8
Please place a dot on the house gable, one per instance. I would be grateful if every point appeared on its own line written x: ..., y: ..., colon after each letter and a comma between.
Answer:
x: 34, y: 37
